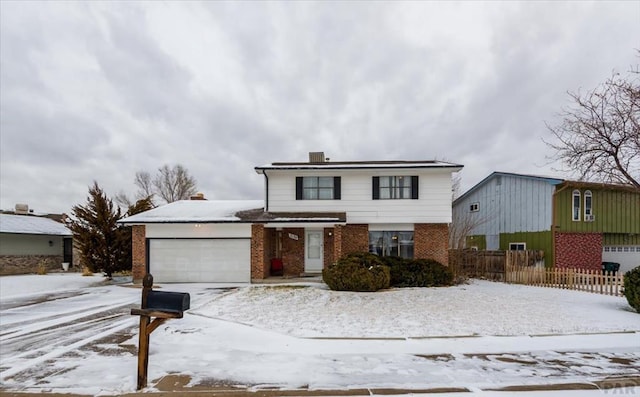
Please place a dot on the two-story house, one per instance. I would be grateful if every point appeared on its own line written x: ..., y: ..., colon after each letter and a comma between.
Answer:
x: 576, y: 224
x: 312, y: 213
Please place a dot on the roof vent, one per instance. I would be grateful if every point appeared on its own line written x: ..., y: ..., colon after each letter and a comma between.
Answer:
x: 316, y: 157
x: 198, y: 196
x: 22, y: 209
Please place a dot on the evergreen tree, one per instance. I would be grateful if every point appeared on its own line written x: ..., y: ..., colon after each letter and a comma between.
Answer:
x: 103, y: 244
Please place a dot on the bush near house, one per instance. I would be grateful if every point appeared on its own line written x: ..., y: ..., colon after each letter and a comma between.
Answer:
x: 419, y: 273
x: 360, y: 272
x: 632, y: 288
x: 369, y: 272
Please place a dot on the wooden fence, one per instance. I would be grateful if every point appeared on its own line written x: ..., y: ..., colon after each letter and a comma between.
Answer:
x: 525, y: 267
x: 574, y: 279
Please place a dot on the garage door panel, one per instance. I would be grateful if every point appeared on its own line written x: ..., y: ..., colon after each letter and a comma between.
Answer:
x: 627, y: 256
x: 200, y: 260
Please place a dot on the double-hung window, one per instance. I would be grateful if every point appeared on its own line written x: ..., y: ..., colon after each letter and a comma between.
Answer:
x: 576, y: 205
x: 395, y: 187
x: 588, y: 211
x: 318, y: 188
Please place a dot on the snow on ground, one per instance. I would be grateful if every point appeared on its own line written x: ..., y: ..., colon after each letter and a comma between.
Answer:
x: 483, y: 308
x: 24, y: 285
x: 478, y: 336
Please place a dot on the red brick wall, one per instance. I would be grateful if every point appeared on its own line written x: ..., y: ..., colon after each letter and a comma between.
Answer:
x: 293, y: 252
x: 328, y: 247
x: 579, y: 250
x: 138, y: 252
x: 355, y: 238
x: 269, y: 249
x: 337, y: 242
x: 431, y: 241
x: 258, y: 263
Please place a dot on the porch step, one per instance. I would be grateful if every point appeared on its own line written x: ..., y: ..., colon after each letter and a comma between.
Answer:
x: 314, y: 274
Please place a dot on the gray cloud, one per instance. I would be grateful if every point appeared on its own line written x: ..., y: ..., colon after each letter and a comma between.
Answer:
x: 98, y: 91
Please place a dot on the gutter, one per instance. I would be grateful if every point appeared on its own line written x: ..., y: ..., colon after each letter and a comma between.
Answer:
x: 266, y: 198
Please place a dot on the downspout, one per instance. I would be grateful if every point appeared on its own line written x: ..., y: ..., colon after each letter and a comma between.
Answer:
x: 553, y: 221
x: 266, y: 199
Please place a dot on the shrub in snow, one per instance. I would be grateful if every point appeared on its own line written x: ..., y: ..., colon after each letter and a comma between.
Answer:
x: 632, y: 288
x: 420, y: 273
x: 361, y: 272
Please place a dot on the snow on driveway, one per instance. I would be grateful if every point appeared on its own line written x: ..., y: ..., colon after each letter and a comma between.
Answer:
x: 83, y: 339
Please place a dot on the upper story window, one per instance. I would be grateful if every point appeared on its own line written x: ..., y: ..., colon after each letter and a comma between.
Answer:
x: 576, y: 205
x: 395, y: 187
x: 474, y: 207
x: 318, y: 188
x: 588, y: 212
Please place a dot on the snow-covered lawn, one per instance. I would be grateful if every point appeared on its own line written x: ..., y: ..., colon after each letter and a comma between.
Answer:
x: 481, y: 308
x: 478, y: 336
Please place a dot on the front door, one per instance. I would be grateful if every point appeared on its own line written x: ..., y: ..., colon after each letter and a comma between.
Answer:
x: 313, y: 251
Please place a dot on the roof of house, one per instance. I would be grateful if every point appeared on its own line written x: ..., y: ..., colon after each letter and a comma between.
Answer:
x: 227, y: 211
x: 600, y: 186
x: 29, y: 224
x: 259, y: 216
x: 335, y: 165
x: 550, y: 180
x: 195, y: 211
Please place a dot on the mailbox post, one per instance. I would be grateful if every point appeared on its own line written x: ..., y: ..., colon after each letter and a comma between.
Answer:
x: 161, y: 306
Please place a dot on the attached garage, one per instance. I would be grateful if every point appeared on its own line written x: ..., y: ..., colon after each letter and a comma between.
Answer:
x: 200, y: 260
x: 194, y: 241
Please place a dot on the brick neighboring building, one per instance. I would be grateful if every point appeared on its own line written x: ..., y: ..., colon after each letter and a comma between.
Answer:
x: 312, y: 214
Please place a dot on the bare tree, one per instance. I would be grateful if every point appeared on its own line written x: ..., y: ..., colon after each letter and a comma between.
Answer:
x: 599, y: 136
x: 170, y: 184
x: 145, y: 191
x: 175, y: 183
x: 462, y: 226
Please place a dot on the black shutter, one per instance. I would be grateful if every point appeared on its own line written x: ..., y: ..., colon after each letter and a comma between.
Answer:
x: 414, y: 187
x: 376, y: 188
x: 337, y: 188
x: 298, y: 188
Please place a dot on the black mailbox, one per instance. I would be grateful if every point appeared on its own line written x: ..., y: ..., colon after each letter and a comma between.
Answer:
x: 168, y: 301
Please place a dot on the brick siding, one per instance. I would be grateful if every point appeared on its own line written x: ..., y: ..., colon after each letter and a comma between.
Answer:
x: 328, y: 247
x: 26, y: 264
x: 579, y: 250
x: 355, y: 238
x: 293, y: 252
x: 258, y: 265
x: 431, y: 241
x: 138, y: 253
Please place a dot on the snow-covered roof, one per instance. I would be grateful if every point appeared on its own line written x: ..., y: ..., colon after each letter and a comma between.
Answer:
x: 27, y: 224
x: 189, y: 211
x: 341, y: 165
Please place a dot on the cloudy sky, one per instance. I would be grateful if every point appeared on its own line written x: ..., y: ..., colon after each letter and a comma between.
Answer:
x: 99, y: 90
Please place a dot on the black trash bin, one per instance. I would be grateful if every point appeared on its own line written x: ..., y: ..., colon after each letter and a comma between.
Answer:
x: 610, y: 267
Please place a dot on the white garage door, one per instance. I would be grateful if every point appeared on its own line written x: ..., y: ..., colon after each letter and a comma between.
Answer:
x: 200, y: 260
x: 627, y: 256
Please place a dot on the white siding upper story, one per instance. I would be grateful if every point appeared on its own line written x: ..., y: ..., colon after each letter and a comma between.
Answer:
x: 508, y: 203
x: 432, y: 206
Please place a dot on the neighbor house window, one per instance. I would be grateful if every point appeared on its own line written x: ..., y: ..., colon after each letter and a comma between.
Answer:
x: 588, y: 213
x: 517, y: 246
x: 395, y: 187
x: 391, y: 244
x: 318, y: 188
x: 576, y: 205
x: 475, y: 207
